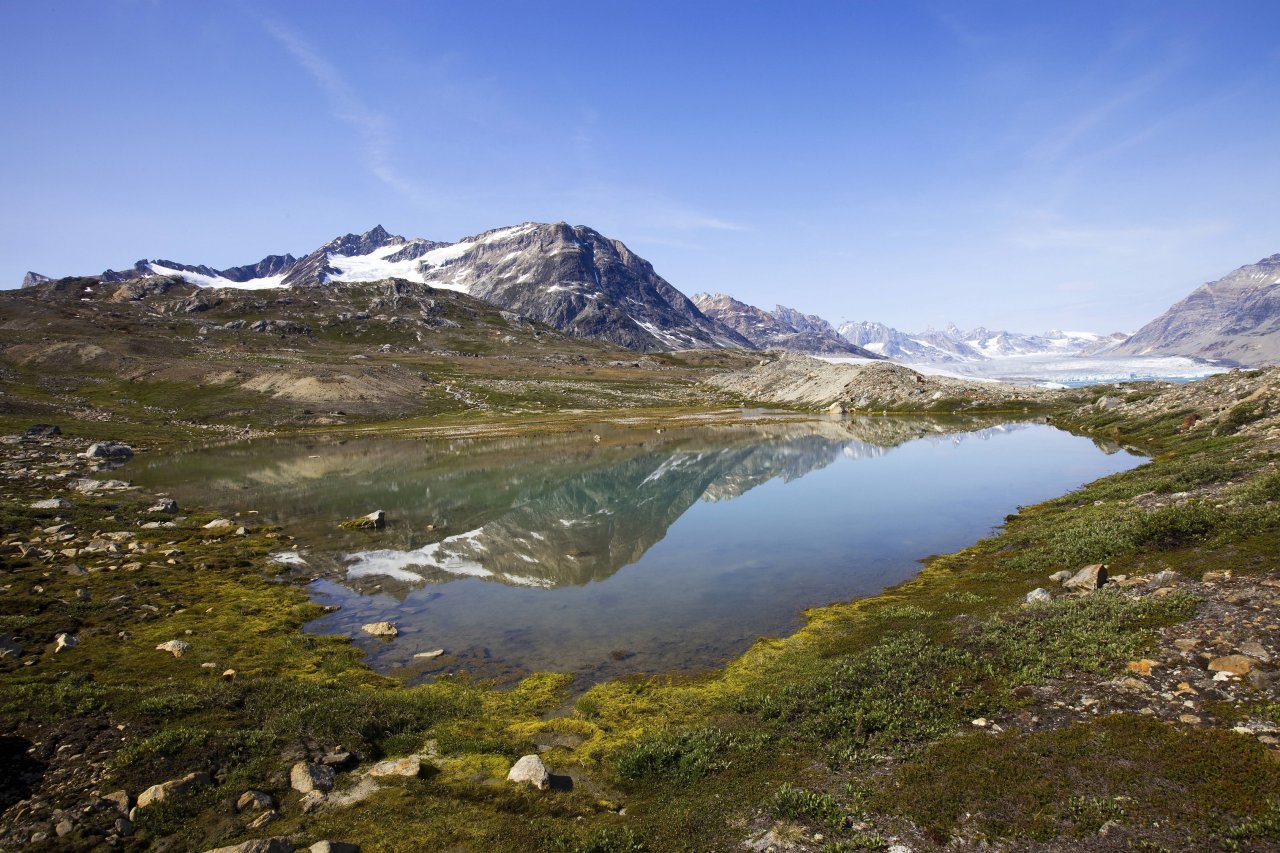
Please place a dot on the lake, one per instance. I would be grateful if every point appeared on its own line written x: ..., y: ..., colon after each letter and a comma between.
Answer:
x: 606, y: 551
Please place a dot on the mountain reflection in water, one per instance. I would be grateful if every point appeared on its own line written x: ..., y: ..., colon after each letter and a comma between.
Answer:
x: 508, y: 552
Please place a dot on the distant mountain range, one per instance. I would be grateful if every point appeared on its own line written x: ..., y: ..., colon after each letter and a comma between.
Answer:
x: 783, y: 328
x: 587, y: 285
x: 570, y: 277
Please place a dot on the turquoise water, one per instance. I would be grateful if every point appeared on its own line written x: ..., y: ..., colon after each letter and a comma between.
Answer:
x: 605, y: 551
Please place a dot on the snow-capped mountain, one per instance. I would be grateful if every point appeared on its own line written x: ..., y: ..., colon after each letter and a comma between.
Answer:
x: 570, y: 277
x: 1236, y: 317
x: 953, y: 344
x: 784, y: 328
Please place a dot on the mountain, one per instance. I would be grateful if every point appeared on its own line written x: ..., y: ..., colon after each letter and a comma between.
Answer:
x: 1236, y: 318
x: 570, y: 277
x: 954, y: 344
x: 785, y: 328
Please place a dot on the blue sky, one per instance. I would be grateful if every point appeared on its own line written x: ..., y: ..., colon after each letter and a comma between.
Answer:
x: 1022, y: 165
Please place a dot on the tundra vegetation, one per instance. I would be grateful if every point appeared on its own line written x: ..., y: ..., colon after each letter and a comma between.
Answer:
x: 945, y: 712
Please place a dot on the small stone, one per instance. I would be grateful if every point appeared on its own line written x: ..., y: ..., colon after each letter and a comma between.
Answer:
x: 63, y: 642
x: 1060, y: 577
x: 1038, y: 596
x: 306, y: 778
x: 434, y: 653
x: 83, y: 594
x: 1217, y: 577
x: 981, y: 722
x: 1189, y: 719
x: 64, y: 827
x: 228, y: 675
x: 1088, y: 579
x: 530, y: 769
x: 375, y: 520
x: 1142, y: 667
x: 311, y: 801
x: 119, y: 799
x: 264, y: 819
x: 1233, y: 664
x: 124, y: 827
x: 219, y: 523
x: 1185, y: 645
x: 380, y: 629
x: 334, y: 847
x: 1255, y: 650
x: 254, y: 800
x: 177, y: 648
x: 410, y: 767
x: 1134, y: 684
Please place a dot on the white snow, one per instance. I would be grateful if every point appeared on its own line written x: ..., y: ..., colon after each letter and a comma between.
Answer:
x: 375, y: 266
x: 202, y: 280
x: 1061, y: 370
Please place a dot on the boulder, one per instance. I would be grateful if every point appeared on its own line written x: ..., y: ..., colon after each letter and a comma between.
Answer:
x: 381, y: 629
x: 375, y: 520
x: 109, y: 450
x: 253, y: 800
x: 219, y: 523
x: 168, y: 505
x: 312, y: 801
x: 258, y: 845
x: 52, y: 503
x: 1038, y: 596
x: 1088, y: 579
x: 410, y: 767
x: 177, y: 648
x: 63, y: 642
x: 306, y: 778
x: 1060, y: 577
x: 120, y: 800
x: 156, y: 793
x: 42, y: 431
x: 530, y: 769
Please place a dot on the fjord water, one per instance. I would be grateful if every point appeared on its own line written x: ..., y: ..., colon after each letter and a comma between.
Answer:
x: 608, y: 551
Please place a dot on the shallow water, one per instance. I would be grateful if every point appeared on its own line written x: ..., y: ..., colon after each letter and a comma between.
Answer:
x: 605, y: 551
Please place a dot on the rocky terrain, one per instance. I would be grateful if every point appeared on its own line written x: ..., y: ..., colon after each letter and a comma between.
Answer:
x: 1236, y: 318
x: 569, y: 277
x: 796, y: 380
x: 784, y: 328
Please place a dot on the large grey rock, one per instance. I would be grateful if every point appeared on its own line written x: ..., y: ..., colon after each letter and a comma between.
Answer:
x: 1038, y: 596
x: 1088, y: 579
x: 530, y: 769
x: 306, y: 778
x: 109, y: 450
x: 410, y: 766
x: 52, y: 503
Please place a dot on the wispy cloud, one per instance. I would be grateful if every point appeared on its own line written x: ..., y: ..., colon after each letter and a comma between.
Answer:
x: 374, y: 129
x: 1040, y: 233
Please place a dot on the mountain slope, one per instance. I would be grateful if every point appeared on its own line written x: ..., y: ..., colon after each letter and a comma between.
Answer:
x: 785, y: 328
x: 570, y: 277
x: 954, y: 344
x: 1236, y: 317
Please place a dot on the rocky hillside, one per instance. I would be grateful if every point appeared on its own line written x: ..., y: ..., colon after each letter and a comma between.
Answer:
x: 797, y: 380
x: 783, y: 328
x: 569, y: 277
x: 1236, y: 318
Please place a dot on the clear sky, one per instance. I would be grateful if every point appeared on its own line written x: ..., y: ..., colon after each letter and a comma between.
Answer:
x: 1022, y: 165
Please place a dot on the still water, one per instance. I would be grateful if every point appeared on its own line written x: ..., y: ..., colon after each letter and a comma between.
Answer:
x: 609, y: 551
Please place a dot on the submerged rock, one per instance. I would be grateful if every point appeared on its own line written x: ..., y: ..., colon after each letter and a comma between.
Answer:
x: 381, y: 629
x: 375, y: 520
x: 530, y: 769
x: 109, y: 450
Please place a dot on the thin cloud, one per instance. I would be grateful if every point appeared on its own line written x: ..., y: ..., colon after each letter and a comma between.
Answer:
x: 374, y: 129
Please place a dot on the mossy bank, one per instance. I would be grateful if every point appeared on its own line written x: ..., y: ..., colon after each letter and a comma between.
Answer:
x: 944, y: 713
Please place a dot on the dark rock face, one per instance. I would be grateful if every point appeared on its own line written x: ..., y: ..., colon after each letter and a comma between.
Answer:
x: 31, y: 279
x: 1236, y: 318
x: 785, y: 328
